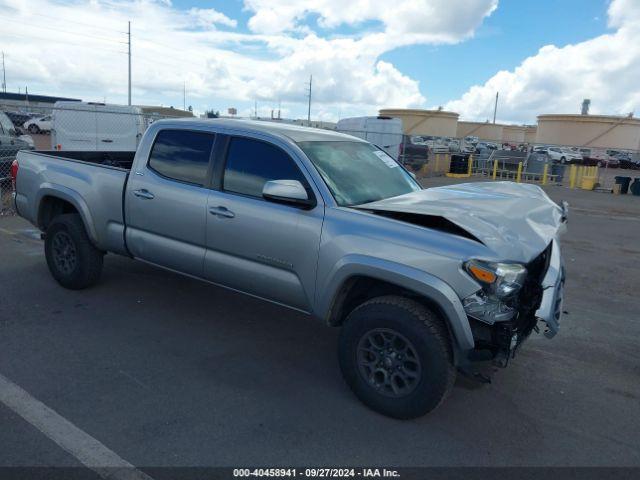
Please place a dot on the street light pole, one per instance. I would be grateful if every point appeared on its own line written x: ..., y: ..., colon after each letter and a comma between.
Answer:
x: 495, y: 108
x: 4, y: 75
x: 129, y: 35
x: 309, y: 107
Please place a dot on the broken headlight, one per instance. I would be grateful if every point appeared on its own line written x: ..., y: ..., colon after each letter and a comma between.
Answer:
x: 500, y: 283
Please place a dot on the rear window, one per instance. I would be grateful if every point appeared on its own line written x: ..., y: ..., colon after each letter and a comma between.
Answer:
x: 182, y: 155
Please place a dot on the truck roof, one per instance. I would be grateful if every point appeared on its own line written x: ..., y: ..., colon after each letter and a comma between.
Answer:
x: 292, y: 132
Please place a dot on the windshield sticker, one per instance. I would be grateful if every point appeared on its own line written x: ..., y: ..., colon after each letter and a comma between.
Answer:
x: 388, y: 161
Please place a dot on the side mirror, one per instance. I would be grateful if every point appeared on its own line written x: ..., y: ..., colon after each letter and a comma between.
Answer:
x: 291, y: 192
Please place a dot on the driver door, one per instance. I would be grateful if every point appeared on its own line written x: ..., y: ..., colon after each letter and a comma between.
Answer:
x: 256, y: 246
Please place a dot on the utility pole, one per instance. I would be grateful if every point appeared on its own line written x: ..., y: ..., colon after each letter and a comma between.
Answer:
x: 495, y: 108
x: 255, y: 109
x: 129, y: 36
x: 184, y: 95
x: 4, y: 75
x: 309, y: 107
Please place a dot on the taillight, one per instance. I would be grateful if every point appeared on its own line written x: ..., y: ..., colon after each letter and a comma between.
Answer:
x: 14, y: 172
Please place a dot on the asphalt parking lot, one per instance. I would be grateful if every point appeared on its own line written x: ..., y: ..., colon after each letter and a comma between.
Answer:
x: 167, y: 371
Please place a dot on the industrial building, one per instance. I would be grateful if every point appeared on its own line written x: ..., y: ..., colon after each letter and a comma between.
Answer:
x: 25, y: 101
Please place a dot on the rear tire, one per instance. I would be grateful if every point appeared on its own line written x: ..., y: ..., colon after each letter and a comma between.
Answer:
x: 33, y: 128
x: 395, y: 354
x: 71, y: 257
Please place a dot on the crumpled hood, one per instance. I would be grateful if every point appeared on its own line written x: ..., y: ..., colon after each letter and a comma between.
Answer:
x: 517, y: 221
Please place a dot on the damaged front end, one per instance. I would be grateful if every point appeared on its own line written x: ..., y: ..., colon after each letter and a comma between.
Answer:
x: 501, y: 321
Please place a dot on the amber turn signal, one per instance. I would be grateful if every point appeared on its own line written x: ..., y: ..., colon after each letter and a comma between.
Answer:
x: 482, y: 274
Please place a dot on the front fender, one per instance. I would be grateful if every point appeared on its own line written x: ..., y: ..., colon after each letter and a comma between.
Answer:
x: 418, y: 281
x: 48, y: 189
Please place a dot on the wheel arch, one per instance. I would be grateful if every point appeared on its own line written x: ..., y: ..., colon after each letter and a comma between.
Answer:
x: 54, y: 201
x: 353, y: 283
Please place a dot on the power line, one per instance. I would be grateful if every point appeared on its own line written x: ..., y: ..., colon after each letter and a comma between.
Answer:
x: 48, y: 39
x: 86, y: 35
x: 66, y: 20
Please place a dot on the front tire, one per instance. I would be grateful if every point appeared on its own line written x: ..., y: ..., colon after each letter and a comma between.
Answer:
x: 395, y: 354
x: 71, y: 257
x: 33, y: 128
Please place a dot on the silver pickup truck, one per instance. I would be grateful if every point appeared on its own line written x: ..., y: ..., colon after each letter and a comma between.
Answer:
x: 425, y: 283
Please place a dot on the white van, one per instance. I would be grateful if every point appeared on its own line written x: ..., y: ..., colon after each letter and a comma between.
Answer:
x: 92, y: 126
x: 385, y: 132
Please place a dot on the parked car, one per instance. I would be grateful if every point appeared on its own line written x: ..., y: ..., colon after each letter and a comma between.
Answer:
x: 96, y: 126
x: 38, y: 124
x: 480, y: 146
x: 18, y: 119
x: 454, y: 146
x: 562, y: 155
x: 414, y: 153
x: 422, y: 282
x: 437, y: 145
x: 598, y: 157
x: 10, y: 145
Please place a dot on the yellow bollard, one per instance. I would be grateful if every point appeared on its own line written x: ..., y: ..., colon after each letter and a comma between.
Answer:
x: 544, y: 173
x: 470, y: 165
x: 495, y: 168
x: 572, y: 176
x: 519, y: 175
x: 580, y: 174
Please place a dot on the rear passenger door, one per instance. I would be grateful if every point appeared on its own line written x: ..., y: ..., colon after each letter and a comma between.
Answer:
x: 166, y: 201
x: 256, y: 246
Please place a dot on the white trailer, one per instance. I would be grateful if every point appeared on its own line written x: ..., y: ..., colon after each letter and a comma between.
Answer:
x: 385, y: 132
x: 89, y: 126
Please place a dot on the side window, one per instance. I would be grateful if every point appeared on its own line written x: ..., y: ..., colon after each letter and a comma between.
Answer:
x: 182, y: 155
x: 251, y: 163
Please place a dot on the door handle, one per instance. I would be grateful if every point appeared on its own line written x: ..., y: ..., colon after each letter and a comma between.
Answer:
x: 143, y: 193
x: 221, y: 212
x: 107, y: 140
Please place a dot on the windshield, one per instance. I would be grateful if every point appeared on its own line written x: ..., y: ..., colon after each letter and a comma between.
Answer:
x: 358, y: 172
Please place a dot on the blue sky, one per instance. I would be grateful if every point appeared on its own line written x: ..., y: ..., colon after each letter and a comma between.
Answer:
x: 543, y: 56
x: 516, y: 30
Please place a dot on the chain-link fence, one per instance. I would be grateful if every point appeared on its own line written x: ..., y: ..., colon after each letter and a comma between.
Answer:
x: 574, y: 167
x: 75, y: 126
x: 83, y: 126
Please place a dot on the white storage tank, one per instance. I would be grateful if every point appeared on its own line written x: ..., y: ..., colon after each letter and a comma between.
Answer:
x: 383, y: 131
x: 482, y: 130
x: 513, y: 134
x: 597, y: 131
x: 436, y: 123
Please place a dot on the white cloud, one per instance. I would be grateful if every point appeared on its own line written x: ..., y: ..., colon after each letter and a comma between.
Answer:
x: 207, y: 17
x: 557, y: 79
x: 52, y: 47
x: 432, y: 21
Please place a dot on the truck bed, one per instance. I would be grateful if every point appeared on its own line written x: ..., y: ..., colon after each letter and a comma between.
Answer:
x: 92, y: 182
x: 112, y: 159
